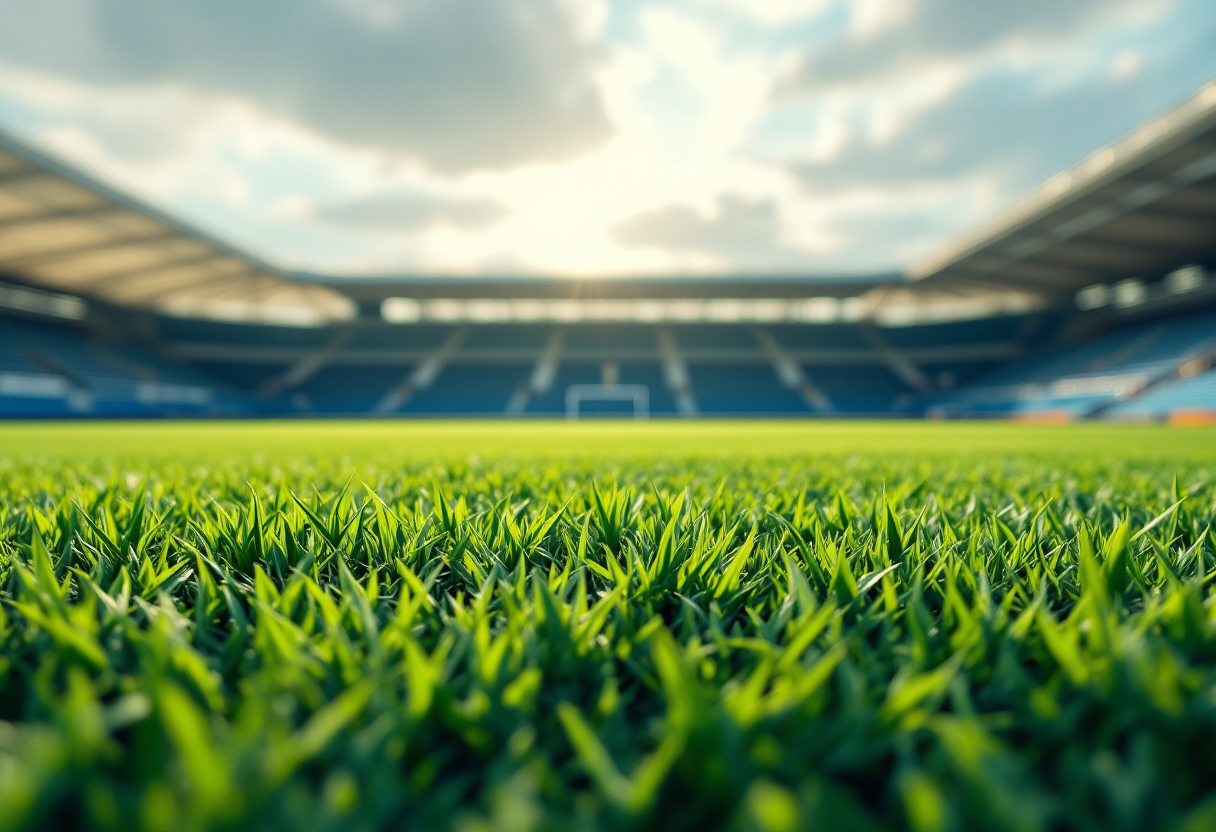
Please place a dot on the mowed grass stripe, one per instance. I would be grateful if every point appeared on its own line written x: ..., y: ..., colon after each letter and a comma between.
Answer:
x: 593, y: 441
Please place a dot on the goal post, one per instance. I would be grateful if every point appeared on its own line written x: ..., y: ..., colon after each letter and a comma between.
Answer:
x: 638, y: 394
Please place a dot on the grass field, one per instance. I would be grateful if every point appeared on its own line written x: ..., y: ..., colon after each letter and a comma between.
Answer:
x: 417, y: 442
x: 533, y: 626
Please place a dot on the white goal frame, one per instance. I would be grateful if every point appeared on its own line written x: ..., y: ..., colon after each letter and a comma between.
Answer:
x: 639, y: 394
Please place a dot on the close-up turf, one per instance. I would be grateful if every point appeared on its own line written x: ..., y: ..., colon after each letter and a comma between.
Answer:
x: 539, y: 626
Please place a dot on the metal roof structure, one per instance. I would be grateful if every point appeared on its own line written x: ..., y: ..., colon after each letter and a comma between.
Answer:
x: 1139, y: 207
x: 633, y: 287
x: 64, y: 231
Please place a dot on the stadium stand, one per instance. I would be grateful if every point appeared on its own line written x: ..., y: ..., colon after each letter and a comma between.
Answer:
x: 49, y: 370
x: 1103, y: 375
x: 1182, y: 398
x: 1091, y: 298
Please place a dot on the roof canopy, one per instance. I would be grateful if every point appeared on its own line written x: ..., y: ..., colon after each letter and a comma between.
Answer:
x: 652, y: 287
x: 1139, y: 207
x: 61, y: 230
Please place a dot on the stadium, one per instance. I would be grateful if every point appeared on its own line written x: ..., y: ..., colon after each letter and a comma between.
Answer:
x: 1088, y: 299
x: 547, y: 415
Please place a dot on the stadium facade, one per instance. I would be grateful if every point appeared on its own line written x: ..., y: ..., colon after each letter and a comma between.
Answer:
x: 1093, y: 297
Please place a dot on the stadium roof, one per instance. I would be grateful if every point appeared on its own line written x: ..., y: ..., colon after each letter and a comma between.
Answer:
x: 1139, y: 207
x: 62, y: 230
x: 666, y: 286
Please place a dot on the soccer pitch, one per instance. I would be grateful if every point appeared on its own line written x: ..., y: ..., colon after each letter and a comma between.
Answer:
x: 534, y: 625
x: 416, y: 442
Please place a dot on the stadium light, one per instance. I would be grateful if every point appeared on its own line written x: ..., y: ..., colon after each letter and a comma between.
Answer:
x: 43, y: 303
x: 401, y: 310
x: 902, y: 309
x: 818, y: 310
x: 1130, y: 292
x: 1185, y: 279
x: 444, y: 310
x: 1093, y: 297
x: 680, y: 310
x: 488, y: 311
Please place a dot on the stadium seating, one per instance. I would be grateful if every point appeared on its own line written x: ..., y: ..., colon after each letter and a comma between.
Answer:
x: 1196, y: 394
x: 1102, y: 376
x: 823, y: 336
x: 713, y: 337
x: 552, y: 402
x: 245, y: 376
x: 486, y: 368
x: 859, y: 390
x: 469, y: 389
x: 191, y: 330
x: 609, y: 338
x: 985, y: 331
x: 743, y: 390
x: 55, y: 370
x: 662, y: 402
x: 60, y: 369
x: 506, y: 337
x: 346, y: 391
x: 425, y: 337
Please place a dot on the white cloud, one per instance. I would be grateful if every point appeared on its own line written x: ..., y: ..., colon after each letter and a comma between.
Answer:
x: 578, y: 137
x: 775, y: 12
x: 736, y: 230
x: 732, y: 91
x: 404, y: 210
x: 458, y: 84
x: 1126, y: 64
x: 897, y: 38
x: 873, y: 17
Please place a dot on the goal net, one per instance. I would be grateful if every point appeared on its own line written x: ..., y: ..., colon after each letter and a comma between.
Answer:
x: 578, y: 394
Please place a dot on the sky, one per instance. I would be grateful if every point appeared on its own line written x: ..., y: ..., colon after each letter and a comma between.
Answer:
x: 589, y: 137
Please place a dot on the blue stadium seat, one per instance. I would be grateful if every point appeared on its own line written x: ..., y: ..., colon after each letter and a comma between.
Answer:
x: 192, y: 330
x: 985, y: 331
x: 553, y: 401
x: 1086, y: 377
x: 713, y: 336
x: 350, y: 391
x: 247, y: 376
x: 662, y: 403
x: 469, y: 389
x: 1194, y: 393
x: 821, y: 336
x: 58, y: 369
x: 393, y: 336
x: 858, y: 390
x: 743, y: 389
x: 55, y: 369
x: 507, y: 337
